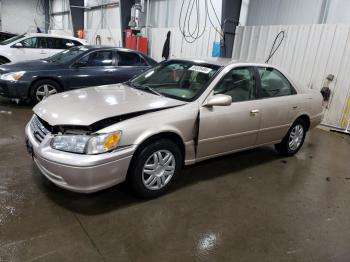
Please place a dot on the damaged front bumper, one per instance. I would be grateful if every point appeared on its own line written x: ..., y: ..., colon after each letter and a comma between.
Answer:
x: 78, y: 172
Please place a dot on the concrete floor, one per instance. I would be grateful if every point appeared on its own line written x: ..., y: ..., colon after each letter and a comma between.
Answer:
x: 251, y: 206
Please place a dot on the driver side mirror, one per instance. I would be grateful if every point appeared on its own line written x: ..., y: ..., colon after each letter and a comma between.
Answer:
x: 219, y: 100
x: 18, y: 45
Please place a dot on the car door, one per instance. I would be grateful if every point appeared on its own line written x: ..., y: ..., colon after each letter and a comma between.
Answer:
x: 32, y: 48
x: 95, y: 68
x: 225, y: 129
x: 278, y: 105
x: 130, y: 64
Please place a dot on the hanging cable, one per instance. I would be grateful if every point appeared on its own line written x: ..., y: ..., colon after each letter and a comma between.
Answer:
x: 273, y: 49
x: 190, y: 10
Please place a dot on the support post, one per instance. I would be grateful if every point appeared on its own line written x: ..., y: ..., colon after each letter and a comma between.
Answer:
x: 231, y: 10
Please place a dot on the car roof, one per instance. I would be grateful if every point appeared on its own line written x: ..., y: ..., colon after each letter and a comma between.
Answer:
x: 53, y: 35
x: 96, y: 47
x: 223, y: 62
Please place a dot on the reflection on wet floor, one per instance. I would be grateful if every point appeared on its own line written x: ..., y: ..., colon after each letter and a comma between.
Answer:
x: 250, y: 206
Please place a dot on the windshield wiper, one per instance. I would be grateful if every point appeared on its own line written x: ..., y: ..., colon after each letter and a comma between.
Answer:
x: 152, y: 90
x: 144, y: 87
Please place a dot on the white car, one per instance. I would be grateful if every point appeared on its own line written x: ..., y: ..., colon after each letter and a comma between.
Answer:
x: 35, y: 46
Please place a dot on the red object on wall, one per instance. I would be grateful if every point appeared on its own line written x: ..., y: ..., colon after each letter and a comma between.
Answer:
x: 135, y: 42
x: 142, y: 45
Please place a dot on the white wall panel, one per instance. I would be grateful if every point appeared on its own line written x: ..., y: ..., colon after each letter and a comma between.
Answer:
x: 21, y: 16
x: 309, y: 53
x: 179, y: 48
x: 277, y: 12
x: 165, y: 13
x: 104, y: 22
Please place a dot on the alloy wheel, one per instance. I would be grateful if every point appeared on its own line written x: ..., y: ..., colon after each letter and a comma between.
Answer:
x: 44, y: 91
x: 158, y: 170
x: 296, y: 137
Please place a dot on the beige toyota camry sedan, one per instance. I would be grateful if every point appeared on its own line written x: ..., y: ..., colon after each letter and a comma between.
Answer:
x: 178, y: 113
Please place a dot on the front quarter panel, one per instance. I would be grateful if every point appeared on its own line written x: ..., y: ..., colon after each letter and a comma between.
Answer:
x: 180, y: 120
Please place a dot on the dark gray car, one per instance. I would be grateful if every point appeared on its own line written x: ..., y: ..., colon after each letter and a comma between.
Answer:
x: 75, y: 68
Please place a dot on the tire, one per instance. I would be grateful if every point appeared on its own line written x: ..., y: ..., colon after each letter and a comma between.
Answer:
x: 4, y: 60
x: 42, y: 89
x: 151, y: 179
x: 288, y: 146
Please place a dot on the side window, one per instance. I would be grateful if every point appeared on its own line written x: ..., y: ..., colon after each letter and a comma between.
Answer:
x: 274, y: 84
x: 130, y: 59
x: 98, y: 58
x: 239, y: 83
x: 59, y: 43
x: 31, y: 42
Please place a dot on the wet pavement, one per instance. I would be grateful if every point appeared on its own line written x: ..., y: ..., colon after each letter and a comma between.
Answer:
x: 250, y: 206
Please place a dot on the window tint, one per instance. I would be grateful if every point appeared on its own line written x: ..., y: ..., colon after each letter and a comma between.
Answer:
x: 98, y: 58
x: 130, y: 59
x: 59, y: 43
x: 239, y: 83
x: 274, y: 84
x: 34, y: 42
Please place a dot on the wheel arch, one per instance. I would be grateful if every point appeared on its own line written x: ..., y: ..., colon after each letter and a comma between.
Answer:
x: 5, y: 58
x: 170, y: 135
x: 306, y: 118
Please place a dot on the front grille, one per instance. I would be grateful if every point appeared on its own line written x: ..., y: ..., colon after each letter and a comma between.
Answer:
x: 38, y: 129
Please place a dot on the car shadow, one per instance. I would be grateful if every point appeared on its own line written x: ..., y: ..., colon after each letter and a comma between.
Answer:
x: 120, y: 196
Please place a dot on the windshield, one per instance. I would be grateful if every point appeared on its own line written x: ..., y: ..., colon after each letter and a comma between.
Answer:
x: 182, y: 80
x: 67, y: 55
x: 11, y: 40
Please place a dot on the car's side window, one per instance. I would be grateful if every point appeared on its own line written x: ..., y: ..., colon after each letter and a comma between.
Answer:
x: 59, y: 43
x: 274, y: 83
x: 130, y: 59
x: 239, y: 83
x: 98, y: 58
x: 34, y: 42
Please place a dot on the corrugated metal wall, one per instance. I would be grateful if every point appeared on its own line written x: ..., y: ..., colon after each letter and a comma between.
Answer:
x: 309, y: 53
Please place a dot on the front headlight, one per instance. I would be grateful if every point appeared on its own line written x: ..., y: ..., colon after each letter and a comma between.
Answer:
x: 13, y: 76
x: 87, y: 144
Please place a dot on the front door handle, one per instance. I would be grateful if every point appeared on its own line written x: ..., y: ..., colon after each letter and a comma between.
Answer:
x: 254, y: 112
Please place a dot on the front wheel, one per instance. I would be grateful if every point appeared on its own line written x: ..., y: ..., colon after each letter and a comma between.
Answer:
x: 42, y: 89
x: 155, y: 167
x: 293, y: 140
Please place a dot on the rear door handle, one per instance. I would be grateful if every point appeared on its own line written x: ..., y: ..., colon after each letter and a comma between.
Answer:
x: 254, y: 112
x: 295, y: 107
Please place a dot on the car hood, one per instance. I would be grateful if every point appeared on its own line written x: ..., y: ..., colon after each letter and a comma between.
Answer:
x: 31, y: 65
x: 87, y: 106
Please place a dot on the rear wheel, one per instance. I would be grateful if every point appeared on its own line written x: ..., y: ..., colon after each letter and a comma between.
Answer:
x: 293, y: 140
x: 42, y: 89
x: 155, y: 167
